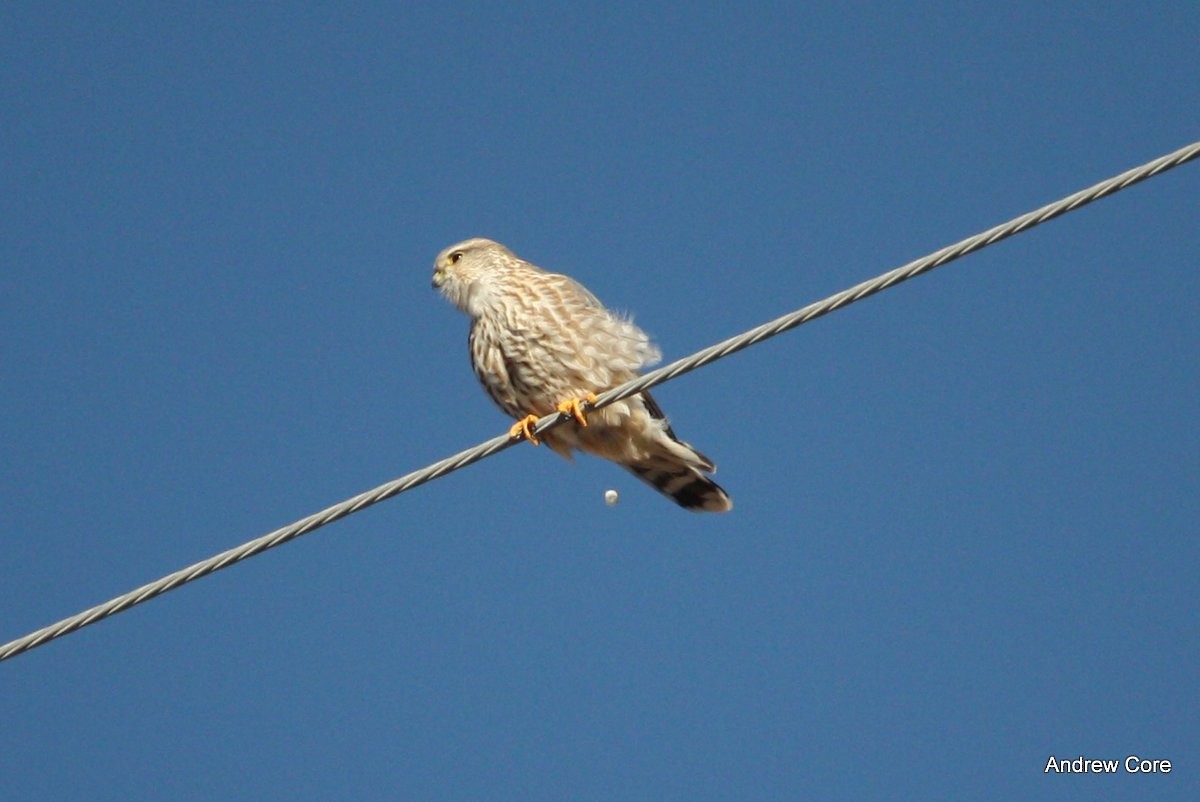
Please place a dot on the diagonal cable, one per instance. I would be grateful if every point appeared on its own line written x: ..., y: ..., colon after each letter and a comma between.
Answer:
x: 644, y: 382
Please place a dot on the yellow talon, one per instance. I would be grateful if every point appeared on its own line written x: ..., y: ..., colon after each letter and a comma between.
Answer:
x: 574, y: 407
x: 523, y: 429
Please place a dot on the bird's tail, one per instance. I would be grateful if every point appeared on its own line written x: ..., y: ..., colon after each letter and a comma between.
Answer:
x: 677, y: 470
x: 683, y: 484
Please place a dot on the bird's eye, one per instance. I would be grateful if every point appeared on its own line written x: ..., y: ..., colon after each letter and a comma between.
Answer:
x: 456, y: 257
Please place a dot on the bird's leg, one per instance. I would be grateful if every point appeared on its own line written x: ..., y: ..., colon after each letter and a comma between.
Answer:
x: 523, y: 429
x: 574, y: 407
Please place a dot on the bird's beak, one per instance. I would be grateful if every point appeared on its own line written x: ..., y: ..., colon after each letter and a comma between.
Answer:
x: 438, y: 278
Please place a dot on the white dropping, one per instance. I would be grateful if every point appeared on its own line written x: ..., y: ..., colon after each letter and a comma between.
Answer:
x: 611, y: 498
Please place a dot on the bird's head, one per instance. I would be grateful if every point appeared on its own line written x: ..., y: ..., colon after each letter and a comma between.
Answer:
x: 463, y: 272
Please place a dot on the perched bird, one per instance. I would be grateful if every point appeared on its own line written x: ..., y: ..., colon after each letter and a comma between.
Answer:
x: 540, y: 343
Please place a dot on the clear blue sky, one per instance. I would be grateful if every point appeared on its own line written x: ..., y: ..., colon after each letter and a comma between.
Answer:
x: 966, y: 530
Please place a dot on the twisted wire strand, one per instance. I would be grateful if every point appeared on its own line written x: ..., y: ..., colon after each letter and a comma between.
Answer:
x: 893, y: 277
x: 666, y: 373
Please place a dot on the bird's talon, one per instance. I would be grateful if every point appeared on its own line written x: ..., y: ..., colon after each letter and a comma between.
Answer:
x: 574, y: 408
x: 523, y: 430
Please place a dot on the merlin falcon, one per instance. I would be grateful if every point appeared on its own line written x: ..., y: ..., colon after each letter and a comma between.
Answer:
x: 541, y: 343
